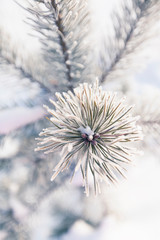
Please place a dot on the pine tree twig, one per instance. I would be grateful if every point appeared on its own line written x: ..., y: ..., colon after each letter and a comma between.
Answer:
x: 133, y: 34
x: 12, y: 63
x: 20, y: 86
x: 65, y: 25
x: 61, y: 32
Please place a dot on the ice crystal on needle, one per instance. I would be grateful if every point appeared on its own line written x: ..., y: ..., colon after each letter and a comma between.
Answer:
x: 93, y: 127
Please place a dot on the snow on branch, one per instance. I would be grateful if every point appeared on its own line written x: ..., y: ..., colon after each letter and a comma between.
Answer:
x: 135, y: 34
x: 63, y: 28
x: 18, y: 88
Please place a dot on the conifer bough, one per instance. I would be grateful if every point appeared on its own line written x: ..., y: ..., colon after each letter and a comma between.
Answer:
x: 93, y: 128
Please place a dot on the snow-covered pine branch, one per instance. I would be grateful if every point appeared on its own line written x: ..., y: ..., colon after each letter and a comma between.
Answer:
x: 63, y: 28
x: 135, y: 29
x: 18, y: 88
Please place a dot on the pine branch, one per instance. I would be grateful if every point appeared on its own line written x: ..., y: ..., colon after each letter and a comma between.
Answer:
x: 21, y: 66
x: 133, y: 34
x: 64, y: 25
x: 63, y: 44
x: 17, y: 88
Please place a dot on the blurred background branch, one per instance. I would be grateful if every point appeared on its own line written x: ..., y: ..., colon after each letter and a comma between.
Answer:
x: 135, y: 28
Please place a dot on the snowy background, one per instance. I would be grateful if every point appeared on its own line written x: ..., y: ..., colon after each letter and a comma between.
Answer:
x: 128, y: 211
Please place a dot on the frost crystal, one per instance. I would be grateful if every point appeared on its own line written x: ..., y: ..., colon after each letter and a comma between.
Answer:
x: 93, y: 128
